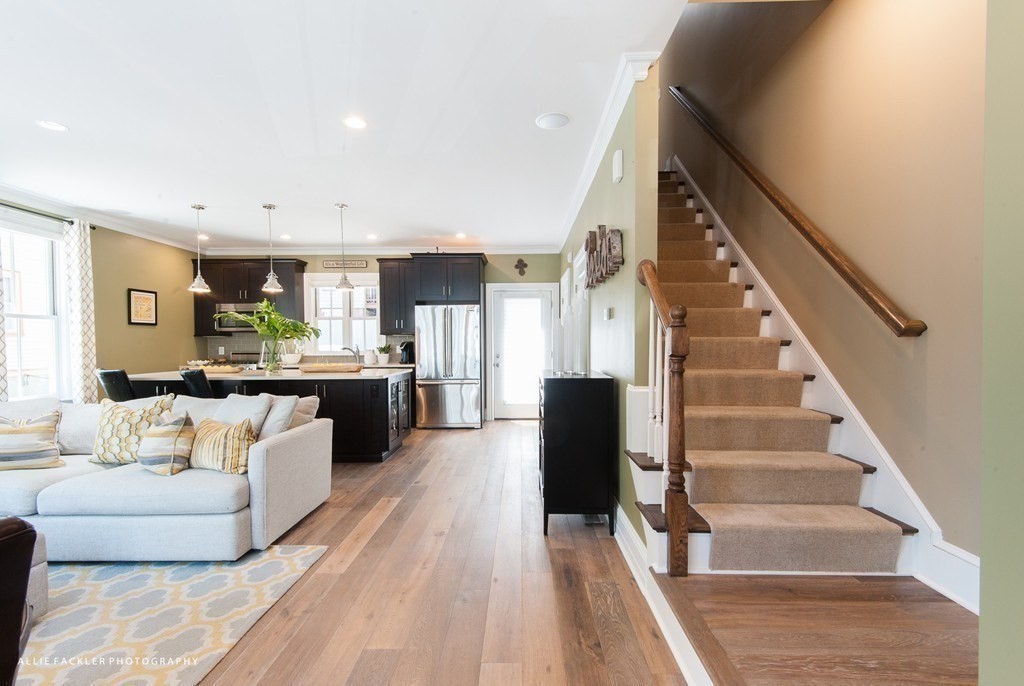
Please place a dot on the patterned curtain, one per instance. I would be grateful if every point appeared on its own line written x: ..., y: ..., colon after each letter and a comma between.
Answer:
x: 80, y: 306
x: 3, y: 344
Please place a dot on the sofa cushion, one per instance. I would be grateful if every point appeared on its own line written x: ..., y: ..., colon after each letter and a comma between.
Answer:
x: 39, y: 551
x: 19, y: 488
x: 196, y: 408
x: 305, y: 411
x: 76, y: 433
x: 134, y: 490
x: 282, y: 407
x: 122, y: 426
x: 167, y: 445
x: 27, y: 409
x: 30, y: 443
x: 235, y: 408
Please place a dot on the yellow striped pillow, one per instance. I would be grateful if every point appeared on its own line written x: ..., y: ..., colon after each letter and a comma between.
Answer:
x: 122, y: 428
x: 167, y: 445
x: 29, y: 443
x: 223, y: 447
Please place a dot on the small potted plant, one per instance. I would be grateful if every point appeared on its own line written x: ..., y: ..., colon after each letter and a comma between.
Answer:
x: 384, y: 354
x: 273, y: 329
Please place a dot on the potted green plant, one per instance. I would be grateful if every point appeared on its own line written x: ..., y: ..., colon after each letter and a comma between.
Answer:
x: 274, y: 329
x: 384, y: 354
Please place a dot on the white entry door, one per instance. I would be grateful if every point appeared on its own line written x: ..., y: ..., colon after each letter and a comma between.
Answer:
x: 521, y: 348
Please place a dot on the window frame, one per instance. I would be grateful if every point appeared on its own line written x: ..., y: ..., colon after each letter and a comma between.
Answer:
x: 315, y: 280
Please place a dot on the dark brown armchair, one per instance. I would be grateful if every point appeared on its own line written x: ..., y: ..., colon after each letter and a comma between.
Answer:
x: 17, y: 538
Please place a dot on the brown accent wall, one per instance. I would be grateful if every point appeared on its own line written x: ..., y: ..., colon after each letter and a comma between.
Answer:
x: 868, y: 114
x: 121, y: 261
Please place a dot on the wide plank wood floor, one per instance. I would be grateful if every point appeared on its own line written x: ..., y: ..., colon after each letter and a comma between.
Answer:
x: 782, y: 630
x: 438, y: 573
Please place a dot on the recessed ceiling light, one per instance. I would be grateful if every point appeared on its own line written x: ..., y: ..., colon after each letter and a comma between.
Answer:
x: 286, y: 236
x: 203, y: 237
x: 460, y: 235
x: 553, y: 120
x: 355, y: 123
x: 371, y: 236
x: 51, y: 125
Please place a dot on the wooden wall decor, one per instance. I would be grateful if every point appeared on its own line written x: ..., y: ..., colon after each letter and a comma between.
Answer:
x: 604, y: 254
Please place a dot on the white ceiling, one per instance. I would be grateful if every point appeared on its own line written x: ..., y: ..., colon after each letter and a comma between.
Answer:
x: 234, y: 104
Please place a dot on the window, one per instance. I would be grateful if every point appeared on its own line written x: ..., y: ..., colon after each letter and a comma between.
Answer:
x: 346, y: 319
x: 31, y: 325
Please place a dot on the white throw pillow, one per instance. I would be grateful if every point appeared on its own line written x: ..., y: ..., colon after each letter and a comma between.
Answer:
x: 282, y: 407
x: 305, y: 411
x: 30, y: 409
x: 235, y: 408
x: 79, y: 423
x: 197, y: 409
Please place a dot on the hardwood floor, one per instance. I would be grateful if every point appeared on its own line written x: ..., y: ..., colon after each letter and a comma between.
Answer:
x: 438, y: 572
x: 825, y: 630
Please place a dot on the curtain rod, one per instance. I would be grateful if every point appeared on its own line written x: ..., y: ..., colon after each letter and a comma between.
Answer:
x: 38, y: 213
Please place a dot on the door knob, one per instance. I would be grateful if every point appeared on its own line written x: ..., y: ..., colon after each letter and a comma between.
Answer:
x: 497, y: 364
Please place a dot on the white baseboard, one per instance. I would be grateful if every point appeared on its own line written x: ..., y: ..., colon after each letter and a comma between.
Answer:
x: 634, y: 551
x: 951, y: 571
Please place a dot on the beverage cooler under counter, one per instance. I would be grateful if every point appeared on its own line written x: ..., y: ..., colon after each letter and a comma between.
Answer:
x: 577, y: 441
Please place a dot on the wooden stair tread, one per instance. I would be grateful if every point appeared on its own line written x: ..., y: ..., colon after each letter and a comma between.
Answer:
x: 644, y: 461
x: 695, y: 524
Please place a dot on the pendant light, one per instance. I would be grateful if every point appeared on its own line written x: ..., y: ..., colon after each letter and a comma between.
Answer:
x: 344, y: 284
x: 272, y: 285
x: 199, y: 285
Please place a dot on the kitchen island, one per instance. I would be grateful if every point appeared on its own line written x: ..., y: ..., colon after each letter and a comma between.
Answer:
x: 372, y: 409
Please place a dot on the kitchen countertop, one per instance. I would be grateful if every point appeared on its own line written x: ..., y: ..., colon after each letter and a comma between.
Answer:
x: 258, y: 375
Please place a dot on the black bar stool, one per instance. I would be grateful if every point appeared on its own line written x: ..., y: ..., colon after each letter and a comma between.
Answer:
x: 197, y: 384
x: 116, y: 384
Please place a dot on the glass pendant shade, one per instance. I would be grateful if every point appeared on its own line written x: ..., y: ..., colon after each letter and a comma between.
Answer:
x: 199, y: 285
x: 344, y: 284
x: 272, y: 285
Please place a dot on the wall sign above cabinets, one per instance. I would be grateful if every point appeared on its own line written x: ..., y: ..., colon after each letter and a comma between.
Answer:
x: 345, y: 264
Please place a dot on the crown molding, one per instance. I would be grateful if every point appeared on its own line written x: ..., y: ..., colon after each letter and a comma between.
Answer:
x: 633, y: 67
x: 298, y: 251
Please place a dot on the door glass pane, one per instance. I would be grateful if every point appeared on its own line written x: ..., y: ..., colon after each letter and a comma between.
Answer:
x: 31, y: 357
x: 522, y: 334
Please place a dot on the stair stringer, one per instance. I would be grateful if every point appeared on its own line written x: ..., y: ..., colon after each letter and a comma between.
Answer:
x: 948, y: 569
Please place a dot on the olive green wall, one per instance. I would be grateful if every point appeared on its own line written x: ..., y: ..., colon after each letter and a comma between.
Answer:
x: 868, y: 114
x: 121, y: 261
x: 618, y: 347
x: 1002, y: 509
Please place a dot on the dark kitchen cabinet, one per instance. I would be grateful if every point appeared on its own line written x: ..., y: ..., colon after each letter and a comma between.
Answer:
x: 449, y: 278
x: 241, y: 281
x: 148, y: 389
x: 577, y: 444
x: 397, y: 297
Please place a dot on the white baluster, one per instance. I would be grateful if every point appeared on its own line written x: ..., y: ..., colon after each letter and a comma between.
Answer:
x: 659, y: 381
x: 652, y: 390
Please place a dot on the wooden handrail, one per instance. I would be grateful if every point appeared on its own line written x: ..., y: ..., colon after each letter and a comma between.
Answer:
x: 861, y: 283
x: 647, y: 274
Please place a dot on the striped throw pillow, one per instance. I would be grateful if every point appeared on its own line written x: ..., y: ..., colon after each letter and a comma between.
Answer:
x: 167, y: 445
x: 30, y: 443
x: 223, y: 447
x: 122, y: 428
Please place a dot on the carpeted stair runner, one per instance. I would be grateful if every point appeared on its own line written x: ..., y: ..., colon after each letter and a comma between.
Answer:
x: 774, y: 498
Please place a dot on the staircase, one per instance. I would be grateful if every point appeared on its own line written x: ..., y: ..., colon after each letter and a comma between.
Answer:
x: 765, y: 493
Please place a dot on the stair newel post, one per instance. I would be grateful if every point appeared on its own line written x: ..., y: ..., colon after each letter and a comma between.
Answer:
x: 677, y: 503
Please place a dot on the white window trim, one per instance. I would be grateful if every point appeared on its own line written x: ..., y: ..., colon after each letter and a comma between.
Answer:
x: 312, y: 280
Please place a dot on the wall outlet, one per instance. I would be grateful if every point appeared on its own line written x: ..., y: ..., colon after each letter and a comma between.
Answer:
x: 220, y: 350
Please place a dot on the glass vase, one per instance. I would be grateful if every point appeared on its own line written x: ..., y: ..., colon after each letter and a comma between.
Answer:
x: 270, y: 357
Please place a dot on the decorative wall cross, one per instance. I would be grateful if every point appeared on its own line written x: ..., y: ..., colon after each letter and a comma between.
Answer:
x: 521, y: 266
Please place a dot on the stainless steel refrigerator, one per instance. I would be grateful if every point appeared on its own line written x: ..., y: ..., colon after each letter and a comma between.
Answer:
x: 448, y: 351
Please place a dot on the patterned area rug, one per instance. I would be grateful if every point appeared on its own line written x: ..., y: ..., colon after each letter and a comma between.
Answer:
x: 155, y: 622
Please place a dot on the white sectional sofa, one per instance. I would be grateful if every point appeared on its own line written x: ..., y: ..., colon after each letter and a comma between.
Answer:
x: 93, y: 512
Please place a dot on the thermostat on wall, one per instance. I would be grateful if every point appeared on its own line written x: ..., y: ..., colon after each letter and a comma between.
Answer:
x: 617, y: 166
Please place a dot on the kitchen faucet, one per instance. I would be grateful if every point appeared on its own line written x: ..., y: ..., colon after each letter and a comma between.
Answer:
x: 354, y: 352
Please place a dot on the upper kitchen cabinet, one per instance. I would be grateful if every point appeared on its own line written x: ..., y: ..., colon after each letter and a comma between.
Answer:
x: 241, y: 281
x: 449, y: 278
x: 397, y: 296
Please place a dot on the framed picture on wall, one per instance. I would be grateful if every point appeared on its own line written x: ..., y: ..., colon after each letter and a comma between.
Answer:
x: 141, y: 307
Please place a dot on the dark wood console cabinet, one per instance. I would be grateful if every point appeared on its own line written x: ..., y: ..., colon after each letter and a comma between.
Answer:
x: 578, y: 427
